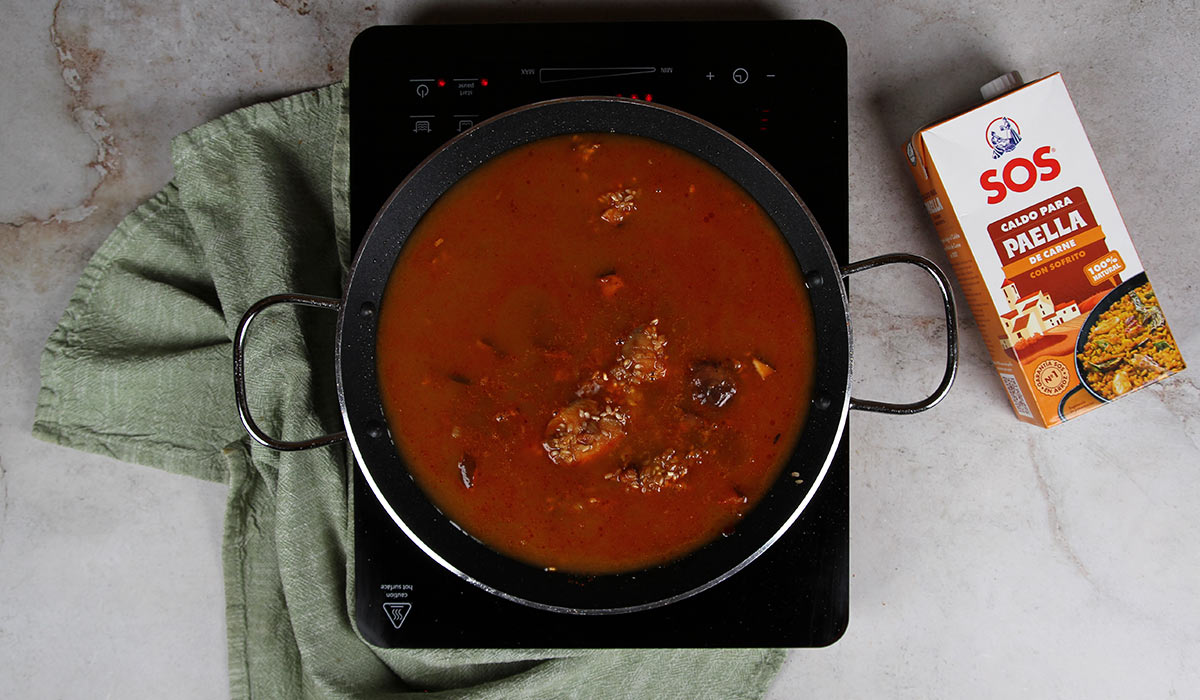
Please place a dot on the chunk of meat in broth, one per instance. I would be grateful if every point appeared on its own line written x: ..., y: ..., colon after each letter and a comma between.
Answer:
x: 585, y: 429
x: 642, y: 359
x: 714, y: 384
x: 618, y: 206
x: 643, y: 356
x: 659, y: 473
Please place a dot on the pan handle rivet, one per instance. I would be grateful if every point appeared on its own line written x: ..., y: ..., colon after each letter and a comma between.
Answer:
x: 814, y: 279
x: 367, y: 310
x: 374, y: 430
x: 822, y: 401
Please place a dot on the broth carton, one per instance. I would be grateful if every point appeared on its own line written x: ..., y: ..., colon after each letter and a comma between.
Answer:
x: 1042, y: 254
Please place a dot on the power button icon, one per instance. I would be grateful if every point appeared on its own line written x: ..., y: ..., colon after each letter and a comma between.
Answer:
x: 740, y: 75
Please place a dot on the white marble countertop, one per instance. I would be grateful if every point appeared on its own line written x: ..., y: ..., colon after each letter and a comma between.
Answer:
x: 989, y: 558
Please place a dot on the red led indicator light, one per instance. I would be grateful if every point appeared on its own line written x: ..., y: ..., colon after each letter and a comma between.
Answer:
x: 634, y: 96
x: 483, y: 82
x: 649, y: 97
x: 441, y: 83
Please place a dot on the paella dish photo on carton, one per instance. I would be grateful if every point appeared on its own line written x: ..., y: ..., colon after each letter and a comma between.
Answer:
x: 1129, y: 346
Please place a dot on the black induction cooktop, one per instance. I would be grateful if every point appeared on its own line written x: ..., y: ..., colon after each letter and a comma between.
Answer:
x: 780, y: 87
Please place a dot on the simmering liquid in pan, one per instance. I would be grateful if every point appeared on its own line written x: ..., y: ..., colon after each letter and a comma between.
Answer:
x: 595, y: 353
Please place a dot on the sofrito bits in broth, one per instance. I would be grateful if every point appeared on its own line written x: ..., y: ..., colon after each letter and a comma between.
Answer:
x: 595, y: 353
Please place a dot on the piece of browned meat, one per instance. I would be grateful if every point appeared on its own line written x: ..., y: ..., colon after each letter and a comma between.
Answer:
x: 659, y: 473
x: 643, y: 356
x: 583, y: 430
x: 714, y: 384
x: 618, y: 205
x: 590, y: 425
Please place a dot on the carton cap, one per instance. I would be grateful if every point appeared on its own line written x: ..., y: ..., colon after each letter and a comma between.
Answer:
x: 1005, y: 83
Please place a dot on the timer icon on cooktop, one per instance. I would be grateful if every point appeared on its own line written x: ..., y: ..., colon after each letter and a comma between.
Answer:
x: 740, y: 75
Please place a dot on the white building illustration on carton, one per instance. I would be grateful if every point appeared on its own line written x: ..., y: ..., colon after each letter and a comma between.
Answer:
x: 1031, y: 315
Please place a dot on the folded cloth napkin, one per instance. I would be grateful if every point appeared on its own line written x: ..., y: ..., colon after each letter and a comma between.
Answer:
x: 140, y: 368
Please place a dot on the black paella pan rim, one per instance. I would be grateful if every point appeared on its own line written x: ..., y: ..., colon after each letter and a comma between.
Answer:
x: 382, y: 465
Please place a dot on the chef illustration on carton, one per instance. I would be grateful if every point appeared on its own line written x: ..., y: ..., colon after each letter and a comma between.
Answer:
x: 1003, y: 135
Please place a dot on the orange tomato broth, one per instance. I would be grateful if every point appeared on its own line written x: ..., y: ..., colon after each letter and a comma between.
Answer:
x: 502, y: 304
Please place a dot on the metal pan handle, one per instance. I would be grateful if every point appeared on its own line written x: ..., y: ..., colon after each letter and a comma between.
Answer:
x: 239, y: 372
x: 951, y: 334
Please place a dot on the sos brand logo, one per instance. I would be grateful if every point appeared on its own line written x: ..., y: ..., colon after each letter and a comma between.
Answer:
x: 1019, y: 174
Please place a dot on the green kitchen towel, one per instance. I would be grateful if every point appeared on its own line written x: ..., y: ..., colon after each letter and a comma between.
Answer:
x: 140, y: 368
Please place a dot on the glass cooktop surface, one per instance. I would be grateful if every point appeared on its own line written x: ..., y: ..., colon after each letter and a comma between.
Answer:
x: 780, y: 87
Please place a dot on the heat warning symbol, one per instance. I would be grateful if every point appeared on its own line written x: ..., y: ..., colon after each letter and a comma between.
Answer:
x: 397, y: 613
